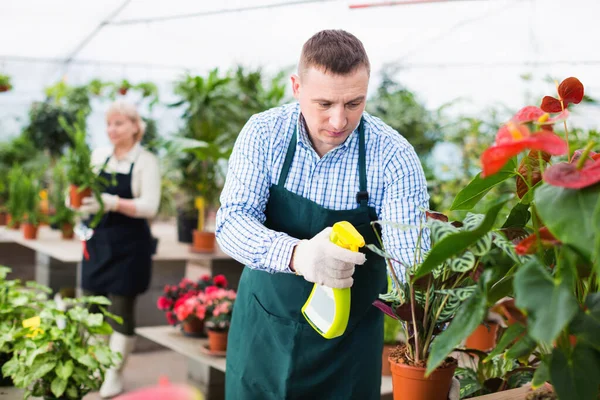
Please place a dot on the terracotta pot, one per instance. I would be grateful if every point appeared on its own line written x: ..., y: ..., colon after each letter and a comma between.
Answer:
x: 2, y: 218
x: 204, y: 242
x: 193, y: 327
x: 10, y: 224
x: 409, y: 383
x: 483, y: 337
x: 75, y: 197
x: 30, y: 231
x: 67, y: 231
x: 217, y: 340
x: 385, y: 362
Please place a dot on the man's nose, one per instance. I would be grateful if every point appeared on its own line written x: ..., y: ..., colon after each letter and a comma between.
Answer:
x: 338, y: 119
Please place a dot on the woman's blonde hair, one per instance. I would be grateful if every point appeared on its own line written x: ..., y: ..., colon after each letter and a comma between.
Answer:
x: 130, y: 111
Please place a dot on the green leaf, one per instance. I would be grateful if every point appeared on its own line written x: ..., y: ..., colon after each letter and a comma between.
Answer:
x: 11, y: 367
x: 518, y: 217
x: 456, y: 243
x: 467, y: 318
x: 468, y: 198
x: 586, y: 324
x: 104, y: 329
x: 94, y: 320
x: 508, y: 337
x: 542, y: 374
x: 379, y: 252
x: 88, y: 361
x: 576, y: 223
x: 461, y: 294
x: 39, y: 369
x: 464, y: 263
x: 65, y: 370
x: 20, y: 301
x: 99, y: 300
x: 501, y: 289
x: 550, y: 304
x: 522, y: 349
x: 103, y: 355
x: 58, y: 387
x: 116, y: 318
x: 576, y: 375
x: 72, y: 392
x: 78, y: 314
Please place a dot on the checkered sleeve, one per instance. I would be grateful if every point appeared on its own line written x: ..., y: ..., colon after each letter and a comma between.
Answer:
x: 240, y: 229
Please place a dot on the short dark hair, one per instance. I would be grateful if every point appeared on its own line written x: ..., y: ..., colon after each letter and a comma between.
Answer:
x: 335, y: 51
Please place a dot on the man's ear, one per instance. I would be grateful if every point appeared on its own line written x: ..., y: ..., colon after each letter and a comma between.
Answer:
x: 296, y: 85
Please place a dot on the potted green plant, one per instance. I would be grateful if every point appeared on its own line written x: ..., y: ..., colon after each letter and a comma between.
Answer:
x: 32, y: 214
x: 5, y: 84
x: 83, y: 180
x: 57, y: 354
x: 555, y: 282
x: 124, y: 87
x: 16, y: 305
x: 16, y: 198
x: 441, y: 299
x: 63, y: 217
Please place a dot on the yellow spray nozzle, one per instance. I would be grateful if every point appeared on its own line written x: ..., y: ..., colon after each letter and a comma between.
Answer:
x: 345, y: 235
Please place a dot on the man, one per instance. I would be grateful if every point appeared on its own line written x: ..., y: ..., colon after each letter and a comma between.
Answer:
x: 294, y: 172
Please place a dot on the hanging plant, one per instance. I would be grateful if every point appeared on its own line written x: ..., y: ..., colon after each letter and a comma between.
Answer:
x: 5, y: 84
x: 124, y: 87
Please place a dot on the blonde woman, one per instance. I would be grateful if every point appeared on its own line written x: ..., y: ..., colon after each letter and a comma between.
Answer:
x: 120, y: 252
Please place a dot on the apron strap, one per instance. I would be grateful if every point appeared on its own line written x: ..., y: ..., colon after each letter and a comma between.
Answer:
x: 362, y: 197
x: 289, y: 157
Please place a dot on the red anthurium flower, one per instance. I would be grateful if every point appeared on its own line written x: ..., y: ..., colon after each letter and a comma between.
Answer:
x: 529, y: 244
x: 569, y: 91
x: 538, y: 116
x: 512, y: 139
x: 567, y: 175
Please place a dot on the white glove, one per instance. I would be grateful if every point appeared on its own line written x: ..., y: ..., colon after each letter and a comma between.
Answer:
x: 454, y: 393
x: 89, y: 205
x: 320, y: 261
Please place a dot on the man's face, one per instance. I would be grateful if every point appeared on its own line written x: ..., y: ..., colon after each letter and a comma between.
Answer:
x: 332, y: 105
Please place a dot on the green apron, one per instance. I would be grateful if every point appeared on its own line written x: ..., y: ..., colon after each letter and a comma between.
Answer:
x: 272, y: 352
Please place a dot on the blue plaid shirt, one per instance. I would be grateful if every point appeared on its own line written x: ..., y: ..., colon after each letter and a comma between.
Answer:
x: 395, y: 182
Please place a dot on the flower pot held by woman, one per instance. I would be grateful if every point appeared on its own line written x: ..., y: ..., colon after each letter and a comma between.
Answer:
x: 409, y: 382
x: 76, y: 195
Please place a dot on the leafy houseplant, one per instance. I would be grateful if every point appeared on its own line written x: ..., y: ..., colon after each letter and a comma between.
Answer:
x: 441, y: 299
x: 219, y: 306
x: 554, y: 281
x: 16, y: 197
x: 63, y: 216
x: 83, y: 180
x: 5, y: 84
x: 32, y: 214
x: 16, y: 305
x: 54, y: 357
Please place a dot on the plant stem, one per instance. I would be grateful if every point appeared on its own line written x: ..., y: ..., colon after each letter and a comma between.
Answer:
x: 584, y: 155
x: 562, y: 105
x: 426, y: 311
x: 414, y: 320
x: 389, y: 263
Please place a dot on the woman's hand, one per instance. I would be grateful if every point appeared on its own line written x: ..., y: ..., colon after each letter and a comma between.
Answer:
x: 89, y: 205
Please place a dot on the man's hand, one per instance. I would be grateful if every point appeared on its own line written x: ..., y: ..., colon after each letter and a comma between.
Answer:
x: 89, y: 205
x: 320, y: 261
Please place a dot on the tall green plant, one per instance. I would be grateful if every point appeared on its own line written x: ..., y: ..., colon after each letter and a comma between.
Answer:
x: 60, y: 186
x: 30, y: 190
x: 16, y: 196
x: 78, y: 161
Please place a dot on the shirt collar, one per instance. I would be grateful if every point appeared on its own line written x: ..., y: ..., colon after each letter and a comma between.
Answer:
x: 132, y: 154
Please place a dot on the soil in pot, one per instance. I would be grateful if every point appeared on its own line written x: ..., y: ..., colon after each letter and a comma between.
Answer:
x: 409, y: 382
x: 217, y: 340
x: 30, y: 231
x: 75, y: 196
x: 543, y: 393
x: 483, y: 337
x: 204, y: 242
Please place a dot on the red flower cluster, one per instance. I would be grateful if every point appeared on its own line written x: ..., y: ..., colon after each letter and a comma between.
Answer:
x: 175, y: 295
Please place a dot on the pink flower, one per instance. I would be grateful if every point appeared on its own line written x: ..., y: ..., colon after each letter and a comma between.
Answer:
x: 220, y: 280
x: 205, y: 278
x: 171, y: 318
x: 163, y: 303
